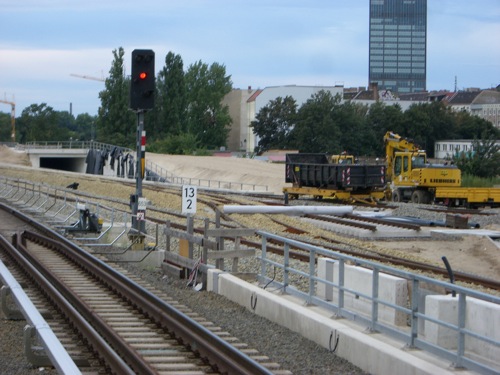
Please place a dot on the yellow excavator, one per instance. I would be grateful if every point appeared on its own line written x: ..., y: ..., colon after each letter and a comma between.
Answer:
x: 410, y: 176
x: 343, y: 158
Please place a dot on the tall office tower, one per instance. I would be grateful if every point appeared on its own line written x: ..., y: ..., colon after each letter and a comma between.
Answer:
x: 398, y: 45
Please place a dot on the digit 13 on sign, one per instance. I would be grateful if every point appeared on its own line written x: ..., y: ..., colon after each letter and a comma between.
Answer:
x: 189, y: 199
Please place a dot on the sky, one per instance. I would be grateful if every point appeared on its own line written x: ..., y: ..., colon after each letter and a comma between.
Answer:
x: 262, y: 43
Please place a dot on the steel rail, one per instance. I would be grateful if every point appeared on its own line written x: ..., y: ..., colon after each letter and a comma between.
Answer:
x: 217, y: 351
x: 25, y: 261
x: 223, y: 356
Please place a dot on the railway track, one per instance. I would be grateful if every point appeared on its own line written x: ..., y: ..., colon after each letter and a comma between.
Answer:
x: 117, y: 326
x: 213, y: 200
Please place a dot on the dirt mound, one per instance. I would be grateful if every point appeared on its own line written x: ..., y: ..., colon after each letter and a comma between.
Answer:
x: 228, y: 169
x: 11, y: 156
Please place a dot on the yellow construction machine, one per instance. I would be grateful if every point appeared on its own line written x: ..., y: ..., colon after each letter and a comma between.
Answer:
x: 343, y: 158
x: 410, y: 176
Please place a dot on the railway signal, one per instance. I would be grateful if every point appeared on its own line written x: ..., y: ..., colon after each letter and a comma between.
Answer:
x: 142, y: 80
x: 142, y: 94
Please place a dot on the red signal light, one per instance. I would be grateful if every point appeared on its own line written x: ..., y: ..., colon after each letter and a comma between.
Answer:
x: 142, y: 75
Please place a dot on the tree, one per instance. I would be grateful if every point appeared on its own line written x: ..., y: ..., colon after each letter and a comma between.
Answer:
x: 417, y: 126
x: 5, y: 127
x: 273, y: 124
x: 207, y: 118
x: 38, y: 122
x: 472, y: 127
x: 85, y: 127
x: 483, y: 160
x: 171, y: 100
x: 116, y: 123
x: 428, y: 122
x: 66, y: 121
x: 356, y: 137
x: 380, y: 119
x: 316, y: 129
x: 180, y: 144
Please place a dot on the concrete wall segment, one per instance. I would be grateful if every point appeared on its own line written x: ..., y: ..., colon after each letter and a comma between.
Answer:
x: 369, y: 352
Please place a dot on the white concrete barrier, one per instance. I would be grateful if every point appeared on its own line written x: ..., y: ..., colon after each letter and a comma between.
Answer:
x: 392, y: 289
x: 480, y: 317
x: 373, y: 353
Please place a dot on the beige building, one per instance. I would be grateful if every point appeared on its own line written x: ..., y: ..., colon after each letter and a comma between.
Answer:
x: 237, y: 100
x: 482, y: 103
x: 245, y: 104
x: 487, y: 105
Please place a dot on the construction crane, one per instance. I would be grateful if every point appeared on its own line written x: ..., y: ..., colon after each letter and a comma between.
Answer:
x: 88, y: 77
x: 12, y: 118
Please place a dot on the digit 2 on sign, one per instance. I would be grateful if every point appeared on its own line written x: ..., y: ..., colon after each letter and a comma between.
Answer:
x: 189, y: 199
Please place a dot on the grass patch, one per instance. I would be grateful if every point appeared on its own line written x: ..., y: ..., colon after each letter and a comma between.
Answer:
x: 474, y: 181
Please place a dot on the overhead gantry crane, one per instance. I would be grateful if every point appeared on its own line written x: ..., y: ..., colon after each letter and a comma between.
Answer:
x: 12, y: 118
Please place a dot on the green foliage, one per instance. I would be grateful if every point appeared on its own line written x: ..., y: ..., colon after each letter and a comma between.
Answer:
x: 38, y: 122
x: 207, y: 117
x: 474, y: 127
x: 317, y: 127
x: 202, y: 152
x: 171, y: 99
x: 85, y: 127
x: 469, y: 180
x: 427, y: 122
x: 5, y: 127
x: 322, y: 124
x: 180, y: 144
x: 116, y: 124
x: 354, y: 130
x: 379, y: 120
x: 273, y: 124
x: 483, y: 161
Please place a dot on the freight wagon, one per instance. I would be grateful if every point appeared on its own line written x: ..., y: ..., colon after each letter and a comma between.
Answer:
x: 315, y: 175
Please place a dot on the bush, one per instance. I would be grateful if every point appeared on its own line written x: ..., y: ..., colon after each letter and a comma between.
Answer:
x: 182, y: 144
x: 469, y: 180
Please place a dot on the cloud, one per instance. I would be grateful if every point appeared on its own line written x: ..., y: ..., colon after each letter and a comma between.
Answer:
x: 263, y: 43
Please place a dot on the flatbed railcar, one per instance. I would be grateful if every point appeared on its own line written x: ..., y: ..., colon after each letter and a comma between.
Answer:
x: 469, y: 197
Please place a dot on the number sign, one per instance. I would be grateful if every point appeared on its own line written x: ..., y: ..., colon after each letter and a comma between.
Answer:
x: 188, y: 199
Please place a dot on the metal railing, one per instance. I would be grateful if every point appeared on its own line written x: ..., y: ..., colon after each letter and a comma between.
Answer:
x: 288, y: 279
x: 67, y: 145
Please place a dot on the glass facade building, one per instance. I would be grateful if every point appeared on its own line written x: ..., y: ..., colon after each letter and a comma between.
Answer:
x: 398, y: 45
